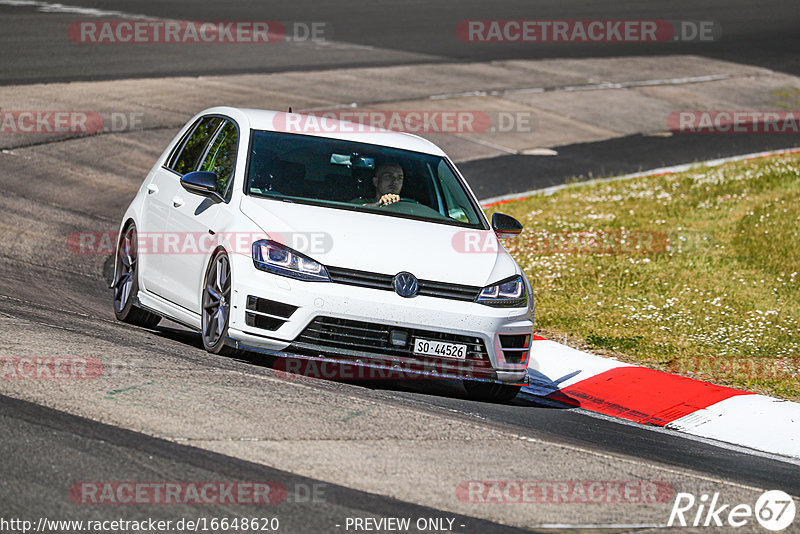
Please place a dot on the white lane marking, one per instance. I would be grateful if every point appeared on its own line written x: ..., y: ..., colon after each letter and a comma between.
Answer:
x: 49, y: 7
x: 654, y: 172
x: 755, y: 421
x: 649, y: 83
x: 602, y: 86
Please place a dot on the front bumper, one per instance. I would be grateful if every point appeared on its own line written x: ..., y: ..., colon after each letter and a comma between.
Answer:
x: 304, y: 302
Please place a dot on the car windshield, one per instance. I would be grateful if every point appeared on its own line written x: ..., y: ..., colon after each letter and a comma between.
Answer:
x: 354, y: 176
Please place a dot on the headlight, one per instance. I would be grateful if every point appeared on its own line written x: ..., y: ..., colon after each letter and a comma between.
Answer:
x: 508, y: 293
x: 275, y: 258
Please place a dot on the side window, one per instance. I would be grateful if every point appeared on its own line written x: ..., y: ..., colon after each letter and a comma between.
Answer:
x: 188, y: 158
x: 454, y: 196
x: 221, y: 156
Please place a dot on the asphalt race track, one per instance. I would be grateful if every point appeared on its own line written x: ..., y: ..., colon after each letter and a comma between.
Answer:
x: 763, y: 34
x: 168, y: 411
x: 129, y: 455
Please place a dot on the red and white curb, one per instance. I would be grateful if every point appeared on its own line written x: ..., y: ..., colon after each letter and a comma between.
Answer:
x: 650, y: 397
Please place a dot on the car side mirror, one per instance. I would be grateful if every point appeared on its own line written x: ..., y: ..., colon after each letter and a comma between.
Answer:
x: 505, y: 226
x: 201, y: 182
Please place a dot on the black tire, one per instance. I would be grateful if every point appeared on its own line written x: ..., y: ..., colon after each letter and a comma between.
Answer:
x: 491, y: 391
x: 216, y: 304
x: 126, y: 283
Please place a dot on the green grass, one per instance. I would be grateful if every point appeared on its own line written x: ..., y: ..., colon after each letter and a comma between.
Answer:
x: 696, y: 273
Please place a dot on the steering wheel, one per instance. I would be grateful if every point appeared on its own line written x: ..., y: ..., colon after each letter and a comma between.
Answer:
x: 411, y: 200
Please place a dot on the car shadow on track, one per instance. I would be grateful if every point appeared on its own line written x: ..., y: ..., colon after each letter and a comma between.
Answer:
x: 431, y: 389
x: 410, y: 385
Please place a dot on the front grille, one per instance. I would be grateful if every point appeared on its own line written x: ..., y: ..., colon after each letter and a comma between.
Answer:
x: 360, y: 278
x: 384, y: 281
x: 350, y: 340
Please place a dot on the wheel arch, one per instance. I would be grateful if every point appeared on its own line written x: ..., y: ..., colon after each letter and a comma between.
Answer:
x: 126, y: 223
x: 209, y: 258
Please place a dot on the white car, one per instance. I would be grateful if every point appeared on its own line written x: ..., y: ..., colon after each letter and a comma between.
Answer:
x: 345, y: 244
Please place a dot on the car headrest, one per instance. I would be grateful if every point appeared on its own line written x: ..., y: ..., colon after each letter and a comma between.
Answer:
x: 293, y: 171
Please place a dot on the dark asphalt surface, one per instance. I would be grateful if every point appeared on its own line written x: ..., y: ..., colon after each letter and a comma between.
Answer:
x: 36, y: 47
x: 602, y: 434
x: 91, y: 452
x: 535, y: 417
x: 612, y: 157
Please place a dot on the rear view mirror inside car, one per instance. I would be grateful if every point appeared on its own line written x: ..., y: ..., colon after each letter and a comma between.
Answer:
x: 353, y: 160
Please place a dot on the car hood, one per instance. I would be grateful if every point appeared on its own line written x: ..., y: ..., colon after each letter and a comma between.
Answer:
x: 383, y: 244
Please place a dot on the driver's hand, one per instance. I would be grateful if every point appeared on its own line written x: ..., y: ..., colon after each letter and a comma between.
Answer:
x: 388, y: 198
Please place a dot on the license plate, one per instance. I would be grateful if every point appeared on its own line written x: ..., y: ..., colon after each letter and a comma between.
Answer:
x: 430, y: 347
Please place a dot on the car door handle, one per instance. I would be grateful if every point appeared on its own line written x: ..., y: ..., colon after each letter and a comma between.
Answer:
x: 177, y: 202
x: 152, y: 188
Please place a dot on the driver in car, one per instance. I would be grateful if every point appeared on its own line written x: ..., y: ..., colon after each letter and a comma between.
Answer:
x: 388, y: 181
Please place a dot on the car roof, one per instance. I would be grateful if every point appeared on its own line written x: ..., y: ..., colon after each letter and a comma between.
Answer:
x: 260, y: 119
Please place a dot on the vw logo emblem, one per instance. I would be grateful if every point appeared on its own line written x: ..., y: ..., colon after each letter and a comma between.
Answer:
x: 405, y: 284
